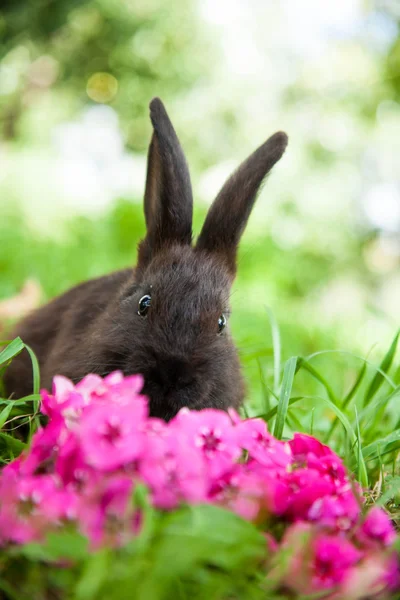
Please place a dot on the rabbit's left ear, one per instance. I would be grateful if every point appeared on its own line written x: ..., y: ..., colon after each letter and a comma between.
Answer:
x: 168, y: 200
x: 228, y: 215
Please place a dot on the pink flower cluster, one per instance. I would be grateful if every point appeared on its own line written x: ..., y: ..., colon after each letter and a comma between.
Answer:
x: 82, y: 469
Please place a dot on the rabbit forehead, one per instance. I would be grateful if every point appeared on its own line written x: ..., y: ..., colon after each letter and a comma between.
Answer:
x: 184, y: 275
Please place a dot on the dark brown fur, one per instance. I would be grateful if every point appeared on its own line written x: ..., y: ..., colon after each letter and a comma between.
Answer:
x: 95, y: 327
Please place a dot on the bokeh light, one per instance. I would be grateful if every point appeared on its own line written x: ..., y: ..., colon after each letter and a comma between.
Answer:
x: 102, y: 87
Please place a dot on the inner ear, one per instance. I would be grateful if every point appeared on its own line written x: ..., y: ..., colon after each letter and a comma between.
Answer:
x: 168, y: 200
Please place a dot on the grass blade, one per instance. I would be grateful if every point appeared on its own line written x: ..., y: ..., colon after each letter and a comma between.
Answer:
x: 372, y: 409
x: 294, y: 423
x: 353, y: 390
x: 312, y: 421
x: 361, y: 468
x: 385, y: 365
x: 271, y: 414
x: 342, y: 418
x: 21, y: 401
x: 396, y: 376
x: 349, y: 396
x: 35, y: 369
x: 393, y: 488
x: 4, y: 414
x: 385, y: 376
x: 13, y: 348
x: 14, y: 445
x: 287, y: 383
x: 304, y: 364
x: 382, y: 446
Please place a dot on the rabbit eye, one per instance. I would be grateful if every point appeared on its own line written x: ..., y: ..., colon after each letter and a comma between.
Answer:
x: 221, y: 323
x: 144, y: 305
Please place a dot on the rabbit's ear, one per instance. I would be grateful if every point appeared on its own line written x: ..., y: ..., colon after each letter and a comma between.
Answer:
x: 168, y: 200
x: 231, y: 209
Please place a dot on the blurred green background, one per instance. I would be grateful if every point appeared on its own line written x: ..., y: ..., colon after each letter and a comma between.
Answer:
x: 322, y: 249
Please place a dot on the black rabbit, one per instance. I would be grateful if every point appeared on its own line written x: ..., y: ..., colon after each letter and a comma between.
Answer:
x: 167, y: 318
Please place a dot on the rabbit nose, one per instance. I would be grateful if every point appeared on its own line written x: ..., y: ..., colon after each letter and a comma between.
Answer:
x: 173, y: 373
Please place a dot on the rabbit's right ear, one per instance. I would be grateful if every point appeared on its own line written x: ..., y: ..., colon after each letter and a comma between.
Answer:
x: 168, y: 200
x: 228, y: 215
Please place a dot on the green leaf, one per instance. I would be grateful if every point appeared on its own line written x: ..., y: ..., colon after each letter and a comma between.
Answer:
x: 353, y: 390
x: 391, y: 492
x: 4, y: 414
x: 351, y: 393
x: 376, y: 405
x: 342, y: 417
x: 141, y: 501
x: 57, y: 546
x: 271, y: 414
x: 11, y: 444
x: 362, y: 469
x: 385, y: 376
x: 36, y: 372
x: 287, y: 384
x: 385, y: 365
x: 9, y: 591
x: 396, y: 376
x: 312, y: 421
x: 293, y: 422
x: 382, y: 446
x: 13, y: 348
x: 95, y: 573
x: 197, y: 536
x: 21, y: 401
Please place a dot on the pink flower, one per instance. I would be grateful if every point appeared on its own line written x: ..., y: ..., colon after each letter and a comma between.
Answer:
x: 317, y: 561
x: 42, y: 453
x: 104, y: 512
x: 330, y: 466
x: 240, y: 491
x: 338, y: 511
x: 302, y: 445
x: 30, y: 506
x: 64, y: 402
x: 277, y: 496
x: 67, y: 401
x: 174, y: 471
x: 44, y: 448
x: 310, y: 453
x: 377, y: 529
x: 253, y: 494
x: 276, y: 492
x: 92, y: 387
x: 332, y: 558
x: 212, y: 433
x: 111, y: 435
x: 376, y: 576
x: 262, y: 447
x: 306, y: 486
x: 120, y: 390
x: 70, y: 465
